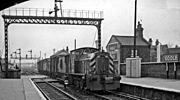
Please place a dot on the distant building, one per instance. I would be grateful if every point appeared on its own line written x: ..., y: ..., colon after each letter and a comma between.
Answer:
x: 121, y: 47
x: 174, y: 50
x: 164, y: 51
x: 2, y: 65
x: 153, y: 52
x: 172, y: 55
x: 11, y: 68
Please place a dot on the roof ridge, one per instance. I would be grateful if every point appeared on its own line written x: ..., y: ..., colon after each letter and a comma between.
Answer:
x: 128, y: 40
x: 122, y: 36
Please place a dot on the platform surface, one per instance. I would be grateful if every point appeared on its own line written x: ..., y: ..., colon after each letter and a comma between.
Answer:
x: 19, y: 89
x: 157, y: 83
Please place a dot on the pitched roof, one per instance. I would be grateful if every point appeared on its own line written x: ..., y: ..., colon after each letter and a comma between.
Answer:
x: 85, y: 49
x: 129, y: 40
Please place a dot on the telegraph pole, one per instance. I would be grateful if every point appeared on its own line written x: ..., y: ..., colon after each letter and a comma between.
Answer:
x: 40, y: 55
x: 54, y: 50
x: 19, y: 57
x: 30, y: 53
x: 135, y: 11
x: 45, y: 55
x: 74, y: 43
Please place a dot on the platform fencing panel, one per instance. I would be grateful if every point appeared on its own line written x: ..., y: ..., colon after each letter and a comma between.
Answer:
x: 49, y: 12
x: 157, y: 70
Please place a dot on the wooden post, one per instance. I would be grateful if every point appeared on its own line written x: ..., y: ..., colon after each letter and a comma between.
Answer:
x: 175, y: 74
x: 167, y: 70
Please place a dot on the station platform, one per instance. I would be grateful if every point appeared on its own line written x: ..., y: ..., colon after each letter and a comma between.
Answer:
x: 170, y: 85
x: 20, y: 89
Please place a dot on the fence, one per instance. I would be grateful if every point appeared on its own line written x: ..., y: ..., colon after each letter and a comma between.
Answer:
x: 49, y: 12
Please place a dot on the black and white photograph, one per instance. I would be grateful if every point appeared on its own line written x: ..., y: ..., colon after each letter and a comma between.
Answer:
x: 90, y: 50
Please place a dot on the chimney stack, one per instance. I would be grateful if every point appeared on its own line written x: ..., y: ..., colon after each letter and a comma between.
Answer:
x: 150, y: 41
x: 139, y: 30
x: 67, y: 49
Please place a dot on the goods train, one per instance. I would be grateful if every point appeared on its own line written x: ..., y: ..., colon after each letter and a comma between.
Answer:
x: 86, y: 68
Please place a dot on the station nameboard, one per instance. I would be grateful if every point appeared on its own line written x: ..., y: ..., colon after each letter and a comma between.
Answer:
x: 171, y: 57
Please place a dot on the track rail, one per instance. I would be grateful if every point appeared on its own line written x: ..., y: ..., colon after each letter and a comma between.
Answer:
x: 127, y: 96
x: 103, y: 97
x: 52, y: 92
x: 110, y: 95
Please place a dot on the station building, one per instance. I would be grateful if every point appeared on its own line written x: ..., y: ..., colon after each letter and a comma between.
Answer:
x: 157, y: 60
x: 121, y: 47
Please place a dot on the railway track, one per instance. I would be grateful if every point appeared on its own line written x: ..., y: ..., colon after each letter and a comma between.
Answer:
x: 80, y: 94
x: 51, y: 92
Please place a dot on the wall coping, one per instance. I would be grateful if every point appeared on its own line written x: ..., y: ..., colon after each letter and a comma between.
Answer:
x: 154, y: 62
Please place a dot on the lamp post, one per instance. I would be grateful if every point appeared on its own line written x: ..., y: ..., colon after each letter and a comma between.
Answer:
x: 135, y: 11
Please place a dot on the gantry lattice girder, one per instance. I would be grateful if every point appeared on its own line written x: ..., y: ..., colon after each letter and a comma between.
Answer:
x: 51, y: 20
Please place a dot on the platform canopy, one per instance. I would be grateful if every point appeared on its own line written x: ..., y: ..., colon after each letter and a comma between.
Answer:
x: 8, y: 3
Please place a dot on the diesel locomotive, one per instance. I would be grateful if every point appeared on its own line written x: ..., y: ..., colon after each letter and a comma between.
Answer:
x: 86, y: 68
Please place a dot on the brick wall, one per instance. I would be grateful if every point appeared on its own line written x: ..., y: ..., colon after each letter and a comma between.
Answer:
x: 157, y: 70
x: 143, y: 52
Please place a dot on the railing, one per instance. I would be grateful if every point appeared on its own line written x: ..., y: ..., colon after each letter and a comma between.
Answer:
x: 45, y: 12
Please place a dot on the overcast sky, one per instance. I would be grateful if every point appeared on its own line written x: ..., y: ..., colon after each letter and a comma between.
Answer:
x: 160, y: 20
